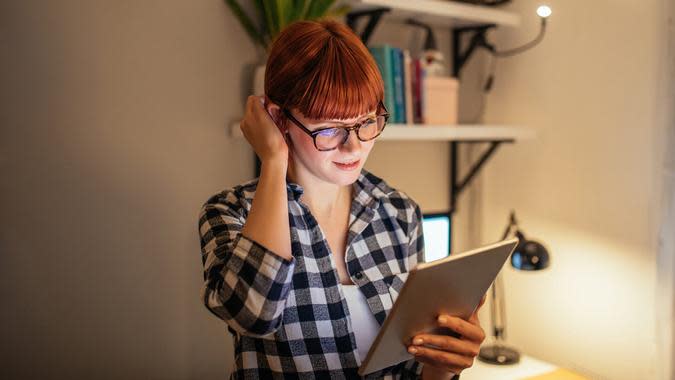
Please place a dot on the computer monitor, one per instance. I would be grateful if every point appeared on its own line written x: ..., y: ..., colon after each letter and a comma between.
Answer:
x: 436, y: 227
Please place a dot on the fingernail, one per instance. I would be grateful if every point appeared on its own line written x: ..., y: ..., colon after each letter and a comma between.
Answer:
x: 418, y: 341
x: 442, y: 319
x: 412, y: 350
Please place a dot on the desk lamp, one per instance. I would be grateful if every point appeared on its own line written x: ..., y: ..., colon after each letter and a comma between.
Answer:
x: 529, y: 255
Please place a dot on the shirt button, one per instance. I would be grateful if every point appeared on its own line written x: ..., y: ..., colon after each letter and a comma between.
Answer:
x: 358, y: 275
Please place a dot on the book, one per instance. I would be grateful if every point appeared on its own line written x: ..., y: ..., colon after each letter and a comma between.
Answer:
x: 382, y: 55
x: 417, y: 85
x: 407, y: 85
x: 399, y: 101
x: 440, y: 100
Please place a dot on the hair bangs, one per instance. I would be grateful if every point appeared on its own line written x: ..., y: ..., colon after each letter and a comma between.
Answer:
x: 324, y: 71
x: 341, y: 86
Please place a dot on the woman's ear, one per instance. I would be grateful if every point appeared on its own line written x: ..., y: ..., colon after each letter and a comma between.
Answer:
x: 276, y: 114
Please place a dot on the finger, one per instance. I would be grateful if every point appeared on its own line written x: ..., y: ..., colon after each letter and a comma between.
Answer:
x: 259, y: 109
x: 433, y: 372
x: 462, y: 327
x: 265, y: 115
x: 435, y: 368
x: 474, y: 319
x: 482, y: 301
x: 448, y: 344
x: 242, y: 128
x: 251, y: 102
x: 441, y: 358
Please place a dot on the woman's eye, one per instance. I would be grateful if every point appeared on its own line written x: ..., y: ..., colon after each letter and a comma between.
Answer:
x: 329, y: 132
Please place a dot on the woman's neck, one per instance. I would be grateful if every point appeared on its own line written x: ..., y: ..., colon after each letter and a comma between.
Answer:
x: 324, y: 199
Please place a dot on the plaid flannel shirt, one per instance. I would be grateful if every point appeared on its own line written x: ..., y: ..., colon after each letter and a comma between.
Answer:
x: 289, y: 318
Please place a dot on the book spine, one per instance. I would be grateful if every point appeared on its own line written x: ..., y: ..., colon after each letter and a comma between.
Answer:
x: 423, y: 100
x: 382, y: 56
x: 417, y: 91
x: 407, y: 81
x: 396, y: 58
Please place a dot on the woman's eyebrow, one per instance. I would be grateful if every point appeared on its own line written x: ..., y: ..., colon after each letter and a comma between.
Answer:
x: 368, y: 116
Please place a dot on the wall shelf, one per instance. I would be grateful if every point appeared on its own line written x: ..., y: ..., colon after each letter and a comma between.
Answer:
x: 477, y: 133
x: 440, y: 12
x: 460, y: 133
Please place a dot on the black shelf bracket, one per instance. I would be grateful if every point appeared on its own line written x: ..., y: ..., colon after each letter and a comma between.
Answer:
x: 374, y: 16
x: 457, y: 186
x: 478, y: 40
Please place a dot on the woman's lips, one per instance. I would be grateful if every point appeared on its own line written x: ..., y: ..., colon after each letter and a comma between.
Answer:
x: 348, y: 167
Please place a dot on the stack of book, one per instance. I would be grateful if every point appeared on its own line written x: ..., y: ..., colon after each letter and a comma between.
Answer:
x: 410, y: 95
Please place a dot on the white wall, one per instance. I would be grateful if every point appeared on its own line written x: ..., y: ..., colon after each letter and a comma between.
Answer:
x: 589, y: 186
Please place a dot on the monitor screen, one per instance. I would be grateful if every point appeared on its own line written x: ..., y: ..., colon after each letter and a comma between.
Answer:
x: 436, y: 229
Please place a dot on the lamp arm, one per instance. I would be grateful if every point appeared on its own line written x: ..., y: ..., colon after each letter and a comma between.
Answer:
x: 497, y: 310
x: 493, y: 312
x: 512, y: 222
x: 527, y: 46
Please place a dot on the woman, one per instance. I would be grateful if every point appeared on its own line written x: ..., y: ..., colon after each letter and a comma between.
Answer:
x: 293, y: 258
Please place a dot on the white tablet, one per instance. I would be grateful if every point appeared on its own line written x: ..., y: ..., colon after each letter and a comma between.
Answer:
x: 453, y: 285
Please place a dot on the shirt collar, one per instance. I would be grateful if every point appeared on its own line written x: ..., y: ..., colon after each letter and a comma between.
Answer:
x: 294, y: 190
x: 368, y: 189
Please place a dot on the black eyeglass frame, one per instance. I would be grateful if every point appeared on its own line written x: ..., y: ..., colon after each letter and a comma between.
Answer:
x: 354, y: 128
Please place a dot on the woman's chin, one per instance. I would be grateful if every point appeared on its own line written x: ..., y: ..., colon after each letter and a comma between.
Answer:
x: 345, y: 178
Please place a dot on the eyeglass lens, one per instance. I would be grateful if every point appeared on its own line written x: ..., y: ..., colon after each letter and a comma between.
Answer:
x: 332, y: 137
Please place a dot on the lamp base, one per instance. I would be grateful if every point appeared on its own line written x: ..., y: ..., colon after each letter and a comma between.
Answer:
x: 499, y: 355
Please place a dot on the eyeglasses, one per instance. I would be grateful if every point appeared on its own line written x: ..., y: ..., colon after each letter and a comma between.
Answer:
x: 330, y: 138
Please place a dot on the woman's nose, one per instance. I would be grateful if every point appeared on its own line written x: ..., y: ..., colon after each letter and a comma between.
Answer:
x: 352, y: 144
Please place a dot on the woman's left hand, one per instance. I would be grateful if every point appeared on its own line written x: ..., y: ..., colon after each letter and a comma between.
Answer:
x: 447, y: 354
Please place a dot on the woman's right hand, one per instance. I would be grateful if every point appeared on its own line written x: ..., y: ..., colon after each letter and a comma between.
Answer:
x: 261, y: 131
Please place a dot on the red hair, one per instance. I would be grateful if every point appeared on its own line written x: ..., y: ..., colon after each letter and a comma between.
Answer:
x: 322, y: 69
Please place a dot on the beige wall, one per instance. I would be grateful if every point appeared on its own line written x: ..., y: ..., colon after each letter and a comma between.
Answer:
x: 114, y: 132
x: 589, y: 186
x: 665, y: 293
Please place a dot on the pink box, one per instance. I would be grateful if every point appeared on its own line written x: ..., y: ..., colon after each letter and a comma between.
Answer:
x: 440, y: 100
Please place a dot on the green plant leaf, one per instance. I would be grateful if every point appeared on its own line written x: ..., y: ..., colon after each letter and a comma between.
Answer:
x: 318, y: 8
x: 339, y: 11
x: 271, y: 16
x: 246, y: 22
x: 264, y: 30
x: 299, y: 10
x: 274, y: 15
x: 284, y: 9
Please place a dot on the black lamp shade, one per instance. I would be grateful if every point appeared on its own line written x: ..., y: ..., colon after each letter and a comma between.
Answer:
x: 529, y: 255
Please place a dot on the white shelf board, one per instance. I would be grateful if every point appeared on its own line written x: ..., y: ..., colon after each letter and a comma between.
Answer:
x: 441, y: 12
x: 478, y: 132
x: 417, y: 132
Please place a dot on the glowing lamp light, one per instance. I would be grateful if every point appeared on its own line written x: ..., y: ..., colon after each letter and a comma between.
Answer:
x: 544, y: 11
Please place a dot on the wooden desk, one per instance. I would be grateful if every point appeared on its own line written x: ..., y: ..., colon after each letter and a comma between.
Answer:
x: 528, y: 368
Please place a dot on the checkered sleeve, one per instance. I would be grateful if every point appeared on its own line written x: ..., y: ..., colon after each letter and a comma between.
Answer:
x: 415, y: 238
x: 245, y: 284
x: 413, y: 368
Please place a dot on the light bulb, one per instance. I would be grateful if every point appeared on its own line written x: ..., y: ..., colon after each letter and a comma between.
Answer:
x: 544, y: 11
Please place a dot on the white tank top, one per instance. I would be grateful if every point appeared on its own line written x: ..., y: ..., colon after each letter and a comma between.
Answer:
x: 363, y: 322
